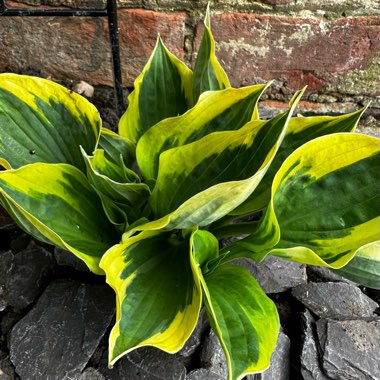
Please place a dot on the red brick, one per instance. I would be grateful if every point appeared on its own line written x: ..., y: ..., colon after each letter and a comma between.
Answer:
x: 138, y: 35
x: 274, y: 107
x: 296, y: 51
x: 78, y: 48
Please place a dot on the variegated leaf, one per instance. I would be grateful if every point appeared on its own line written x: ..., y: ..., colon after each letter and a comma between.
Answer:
x: 158, y: 300
x: 115, y: 146
x: 364, y: 268
x: 162, y: 90
x: 41, y: 121
x: 208, y: 73
x: 198, y: 183
x: 243, y: 317
x: 56, y: 204
x: 325, y: 203
x: 300, y: 131
x: 215, y: 111
x: 122, y: 200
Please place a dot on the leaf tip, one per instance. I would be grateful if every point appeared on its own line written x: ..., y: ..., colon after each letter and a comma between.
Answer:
x: 296, y: 98
x: 207, y: 20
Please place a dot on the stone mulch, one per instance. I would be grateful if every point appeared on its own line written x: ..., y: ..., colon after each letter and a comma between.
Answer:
x: 55, y: 318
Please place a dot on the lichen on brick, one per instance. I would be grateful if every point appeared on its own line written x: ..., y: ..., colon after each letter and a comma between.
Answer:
x: 356, y: 82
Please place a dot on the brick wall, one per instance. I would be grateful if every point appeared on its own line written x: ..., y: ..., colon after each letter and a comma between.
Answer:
x: 333, y: 46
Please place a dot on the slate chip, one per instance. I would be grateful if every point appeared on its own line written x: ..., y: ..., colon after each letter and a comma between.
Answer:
x: 212, y: 356
x: 280, y: 361
x: 350, y: 348
x: 66, y: 258
x: 323, y: 274
x: 310, y: 361
x: 24, y: 275
x: 146, y: 363
x: 91, y: 374
x: 57, y: 337
x: 335, y: 300
x: 195, y: 340
x: 203, y: 374
x: 7, y: 371
x: 275, y: 275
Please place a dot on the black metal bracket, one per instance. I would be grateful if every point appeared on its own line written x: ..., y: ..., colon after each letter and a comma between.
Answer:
x: 110, y: 12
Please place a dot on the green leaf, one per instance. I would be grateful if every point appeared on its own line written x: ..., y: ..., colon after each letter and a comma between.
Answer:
x: 198, y: 183
x: 300, y: 131
x: 204, y: 248
x: 56, y: 202
x: 325, y: 202
x: 115, y: 146
x: 215, y: 111
x: 162, y: 90
x: 208, y: 73
x: 364, y: 268
x: 122, y: 201
x: 243, y: 317
x: 41, y: 121
x: 158, y: 301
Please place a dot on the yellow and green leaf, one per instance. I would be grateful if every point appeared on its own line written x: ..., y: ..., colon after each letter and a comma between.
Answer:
x: 55, y: 203
x: 162, y: 90
x: 300, y: 131
x: 122, y: 200
x: 242, y: 316
x: 198, y: 183
x: 364, y: 268
x: 325, y: 202
x: 208, y: 73
x: 158, y: 300
x: 41, y: 121
x: 115, y: 146
x: 215, y: 111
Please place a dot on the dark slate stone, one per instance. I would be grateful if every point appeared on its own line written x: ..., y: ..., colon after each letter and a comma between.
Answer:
x: 203, y: 374
x: 91, y: 374
x: 66, y: 258
x: 212, y: 356
x: 310, y: 362
x: 350, y: 349
x: 24, y: 275
x: 20, y: 243
x: 57, y: 337
x: 7, y: 371
x: 8, y: 230
x: 323, y: 274
x: 195, y: 340
x: 276, y: 275
x: 280, y: 361
x: 146, y: 363
x: 335, y: 300
x: 6, y: 222
x: 8, y: 318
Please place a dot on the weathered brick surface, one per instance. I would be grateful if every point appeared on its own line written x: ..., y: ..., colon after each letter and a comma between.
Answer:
x: 320, y: 7
x: 298, y: 51
x: 65, y: 48
x: 294, y: 42
x: 138, y: 34
x: 78, y: 48
x: 368, y: 7
x: 96, y: 4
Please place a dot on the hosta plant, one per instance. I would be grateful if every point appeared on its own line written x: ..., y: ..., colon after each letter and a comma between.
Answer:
x: 149, y: 206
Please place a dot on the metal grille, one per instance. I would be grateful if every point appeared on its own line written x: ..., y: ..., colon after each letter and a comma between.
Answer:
x: 110, y: 11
